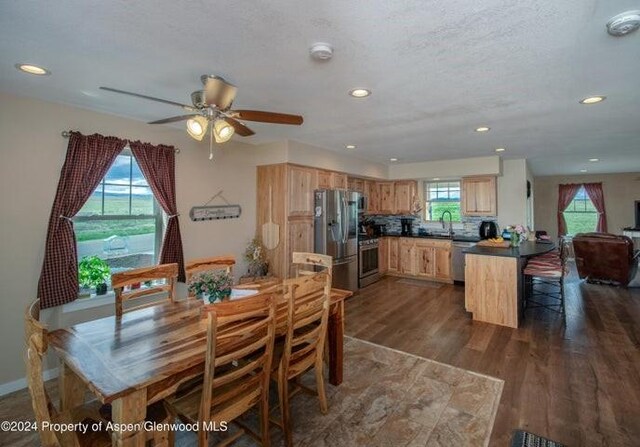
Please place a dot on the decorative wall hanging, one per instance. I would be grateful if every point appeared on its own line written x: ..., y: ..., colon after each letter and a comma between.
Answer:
x: 215, y: 212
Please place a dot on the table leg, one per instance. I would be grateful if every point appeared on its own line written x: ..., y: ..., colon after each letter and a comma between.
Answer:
x: 72, y: 388
x: 130, y: 409
x: 336, y: 342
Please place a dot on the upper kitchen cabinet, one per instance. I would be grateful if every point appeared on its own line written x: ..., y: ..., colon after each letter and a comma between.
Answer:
x: 386, y: 198
x: 301, y: 186
x: 356, y: 184
x: 404, y: 195
x: 331, y: 180
x: 373, y: 196
x: 479, y: 196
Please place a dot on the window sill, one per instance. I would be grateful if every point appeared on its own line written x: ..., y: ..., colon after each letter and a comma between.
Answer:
x: 94, y: 300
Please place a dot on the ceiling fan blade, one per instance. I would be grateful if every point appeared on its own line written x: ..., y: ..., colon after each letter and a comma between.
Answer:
x: 240, y: 128
x: 151, y: 98
x: 267, y: 117
x: 173, y: 119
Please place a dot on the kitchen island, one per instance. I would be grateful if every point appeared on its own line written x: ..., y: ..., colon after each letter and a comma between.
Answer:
x: 494, y: 281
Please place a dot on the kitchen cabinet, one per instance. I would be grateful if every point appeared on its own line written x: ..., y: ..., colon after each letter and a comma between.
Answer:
x: 424, y: 260
x: 404, y: 195
x: 407, y: 257
x: 479, y: 196
x: 331, y: 180
x: 300, y: 236
x: 443, y: 263
x: 301, y: 187
x: 383, y: 255
x: 393, y: 264
x: 324, y: 179
x: 338, y: 181
x: 355, y: 184
x: 373, y: 196
x: 386, y: 204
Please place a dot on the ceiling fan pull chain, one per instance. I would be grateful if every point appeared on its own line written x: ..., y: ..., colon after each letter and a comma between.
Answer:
x: 210, y: 140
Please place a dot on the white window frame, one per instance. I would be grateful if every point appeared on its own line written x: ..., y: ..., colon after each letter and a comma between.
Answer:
x: 425, y: 192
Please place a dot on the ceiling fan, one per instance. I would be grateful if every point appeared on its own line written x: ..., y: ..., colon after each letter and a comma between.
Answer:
x: 211, y: 111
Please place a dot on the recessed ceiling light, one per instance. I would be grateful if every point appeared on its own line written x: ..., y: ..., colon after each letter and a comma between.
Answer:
x: 583, y: 170
x: 33, y: 69
x: 359, y: 92
x: 350, y: 146
x: 436, y: 178
x: 500, y: 149
x: 393, y: 159
x: 594, y: 159
x: 483, y: 129
x: 593, y: 100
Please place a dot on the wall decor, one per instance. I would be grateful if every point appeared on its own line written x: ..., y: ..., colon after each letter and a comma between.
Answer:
x: 215, y: 212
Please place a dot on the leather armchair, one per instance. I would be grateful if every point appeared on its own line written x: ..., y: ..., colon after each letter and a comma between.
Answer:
x: 602, y: 257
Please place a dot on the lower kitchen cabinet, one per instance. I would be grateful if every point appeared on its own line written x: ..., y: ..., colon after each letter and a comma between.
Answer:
x: 383, y: 255
x: 424, y: 260
x: 443, y: 263
x: 414, y: 257
x: 393, y: 264
x: 407, y: 256
x: 300, y: 235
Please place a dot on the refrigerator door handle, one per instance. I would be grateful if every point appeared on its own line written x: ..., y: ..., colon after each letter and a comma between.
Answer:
x: 345, y: 230
x: 343, y: 262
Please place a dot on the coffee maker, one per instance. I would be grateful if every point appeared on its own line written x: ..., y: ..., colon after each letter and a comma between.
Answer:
x: 406, y: 225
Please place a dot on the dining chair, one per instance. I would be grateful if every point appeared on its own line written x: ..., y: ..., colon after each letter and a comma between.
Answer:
x: 310, y: 263
x: 240, y: 337
x: 307, y: 301
x: 166, y: 272
x: 208, y: 264
x: 45, y: 411
x: 544, y: 280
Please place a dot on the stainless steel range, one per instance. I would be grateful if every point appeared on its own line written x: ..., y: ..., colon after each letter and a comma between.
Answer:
x: 368, y: 261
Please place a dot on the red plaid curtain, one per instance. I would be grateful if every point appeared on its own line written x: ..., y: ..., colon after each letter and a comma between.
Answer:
x: 566, y: 193
x: 158, y: 164
x: 88, y: 160
x: 594, y: 191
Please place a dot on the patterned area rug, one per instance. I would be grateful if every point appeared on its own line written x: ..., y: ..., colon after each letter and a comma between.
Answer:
x: 388, y: 398
x: 523, y: 438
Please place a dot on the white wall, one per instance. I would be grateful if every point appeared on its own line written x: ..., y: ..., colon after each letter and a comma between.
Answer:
x: 512, y: 193
x: 446, y: 168
x: 32, y: 152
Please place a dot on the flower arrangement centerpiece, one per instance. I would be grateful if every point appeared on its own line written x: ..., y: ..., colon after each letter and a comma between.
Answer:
x: 211, y: 286
x: 256, y: 257
x: 517, y: 233
x: 93, y: 272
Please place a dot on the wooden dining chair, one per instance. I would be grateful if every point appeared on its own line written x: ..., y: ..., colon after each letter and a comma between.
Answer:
x: 166, y: 272
x: 208, y: 264
x: 240, y: 337
x: 310, y: 263
x: 307, y: 301
x: 43, y: 407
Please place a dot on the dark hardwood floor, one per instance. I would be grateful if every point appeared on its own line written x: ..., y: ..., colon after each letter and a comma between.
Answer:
x: 578, y: 384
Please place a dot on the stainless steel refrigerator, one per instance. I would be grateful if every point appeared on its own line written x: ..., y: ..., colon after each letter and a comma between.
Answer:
x: 336, y: 233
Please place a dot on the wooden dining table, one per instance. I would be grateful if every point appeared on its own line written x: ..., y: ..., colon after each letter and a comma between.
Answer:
x: 143, y: 356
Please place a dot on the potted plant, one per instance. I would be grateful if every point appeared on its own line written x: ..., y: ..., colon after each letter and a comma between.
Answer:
x: 93, y: 272
x: 211, y: 286
x: 256, y: 258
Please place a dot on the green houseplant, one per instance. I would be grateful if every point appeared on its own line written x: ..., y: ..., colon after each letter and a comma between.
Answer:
x: 93, y: 272
x: 256, y: 257
x: 211, y: 286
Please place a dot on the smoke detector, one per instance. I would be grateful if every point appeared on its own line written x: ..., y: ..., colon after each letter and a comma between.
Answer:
x: 321, y: 51
x: 624, y: 23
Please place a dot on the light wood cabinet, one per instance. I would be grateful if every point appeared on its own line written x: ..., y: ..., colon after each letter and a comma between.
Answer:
x: 404, y: 194
x: 300, y: 236
x: 393, y: 264
x: 373, y: 196
x: 331, y: 180
x: 356, y: 184
x: 424, y: 260
x: 338, y: 181
x: 386, y: 198
x: 383, y: 255
x: 300, y: 191
x: 479, y: 196
x: 443, y: 263
x: 407, y: 257
x: 323, y: 179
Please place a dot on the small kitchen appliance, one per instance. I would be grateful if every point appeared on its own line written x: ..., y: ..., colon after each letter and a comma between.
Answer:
x: 406, y: 226
x: 488, y: 229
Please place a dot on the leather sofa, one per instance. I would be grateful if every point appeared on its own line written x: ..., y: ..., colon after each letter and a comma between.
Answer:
x: 602, y: 257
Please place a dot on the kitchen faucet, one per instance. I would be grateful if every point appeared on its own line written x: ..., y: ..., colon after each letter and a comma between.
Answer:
x: 450, y: 232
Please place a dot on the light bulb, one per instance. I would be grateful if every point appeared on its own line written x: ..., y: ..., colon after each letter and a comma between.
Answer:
x: 197, y: 127
x: 222, y: 131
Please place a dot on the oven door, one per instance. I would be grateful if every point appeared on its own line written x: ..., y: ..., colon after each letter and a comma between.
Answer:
x: 368, y: 260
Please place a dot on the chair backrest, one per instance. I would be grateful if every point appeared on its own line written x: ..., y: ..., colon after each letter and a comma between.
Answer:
x: 208, y: 264
x: 605, y: 257
x: 166, y: 272
x: 307, y: 301
x: 36, y: 348
x: 240, y: 332
x: 310, y: 263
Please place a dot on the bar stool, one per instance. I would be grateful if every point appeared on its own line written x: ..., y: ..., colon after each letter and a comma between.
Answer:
x: 544, y: 278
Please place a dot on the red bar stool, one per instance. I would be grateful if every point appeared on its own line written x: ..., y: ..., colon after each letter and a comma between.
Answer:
x: 544, y: 280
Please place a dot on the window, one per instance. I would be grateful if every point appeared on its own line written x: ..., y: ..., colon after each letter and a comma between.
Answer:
x: 121, y: 222
x: 581, y: 216
x: 440, y: 197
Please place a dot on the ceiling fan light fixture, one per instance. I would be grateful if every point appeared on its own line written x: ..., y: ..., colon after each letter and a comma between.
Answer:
x: 197, y: 127
x: 222, y: 131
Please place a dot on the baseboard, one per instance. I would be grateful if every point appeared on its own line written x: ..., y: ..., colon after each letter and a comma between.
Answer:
x: 20, y: 384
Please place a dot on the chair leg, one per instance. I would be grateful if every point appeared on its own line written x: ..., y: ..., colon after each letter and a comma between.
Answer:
x: 203, y: 438
x: 264, y: 419
x: 322, y: 396
x: 283, y: 393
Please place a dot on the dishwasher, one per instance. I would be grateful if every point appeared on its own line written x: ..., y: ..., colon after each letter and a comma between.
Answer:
x: 457, y: 259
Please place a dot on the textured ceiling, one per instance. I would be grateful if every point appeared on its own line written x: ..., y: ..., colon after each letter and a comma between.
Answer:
x: 437, y: 69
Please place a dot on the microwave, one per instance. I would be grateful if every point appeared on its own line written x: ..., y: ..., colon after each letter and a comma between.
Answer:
x: 362, y: 204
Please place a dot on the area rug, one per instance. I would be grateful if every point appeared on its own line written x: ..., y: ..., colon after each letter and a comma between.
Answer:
x: 523, y: 438
x: 388, y: 398
x: 420, y: 283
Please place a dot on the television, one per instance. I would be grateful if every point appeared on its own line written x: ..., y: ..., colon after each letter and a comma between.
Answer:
x: 637, y: 227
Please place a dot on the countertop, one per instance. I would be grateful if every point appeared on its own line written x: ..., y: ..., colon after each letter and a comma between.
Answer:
x: 456, y: 237
x: 525, y: 250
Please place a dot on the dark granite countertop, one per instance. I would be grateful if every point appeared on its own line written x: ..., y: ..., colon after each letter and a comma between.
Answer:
x: 456, y: 237
x: 525, y: 250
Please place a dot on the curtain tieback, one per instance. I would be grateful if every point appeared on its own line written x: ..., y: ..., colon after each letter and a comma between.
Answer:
x: 65, y: 217
x: 172, y: 215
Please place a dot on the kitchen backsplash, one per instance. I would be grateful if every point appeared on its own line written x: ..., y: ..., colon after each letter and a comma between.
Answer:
x: 470, y: 225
